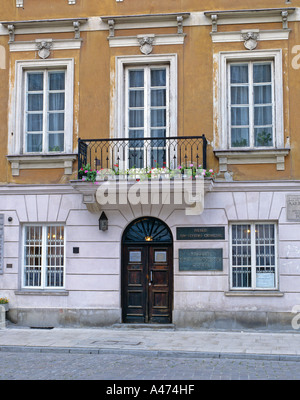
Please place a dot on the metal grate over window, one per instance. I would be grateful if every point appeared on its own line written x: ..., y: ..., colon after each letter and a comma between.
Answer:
x: 44, y: 254
x: 253, y: 256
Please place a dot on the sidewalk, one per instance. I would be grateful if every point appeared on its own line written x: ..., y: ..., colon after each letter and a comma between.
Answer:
x: 154, y: 341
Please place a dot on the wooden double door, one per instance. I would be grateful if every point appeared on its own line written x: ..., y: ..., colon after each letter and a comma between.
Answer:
x: 147, y: 283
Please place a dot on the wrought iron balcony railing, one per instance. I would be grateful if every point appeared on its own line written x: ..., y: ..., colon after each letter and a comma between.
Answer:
x: 126, y: 153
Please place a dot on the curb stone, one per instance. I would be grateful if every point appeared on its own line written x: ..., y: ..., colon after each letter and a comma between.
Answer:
x: 151, y: 353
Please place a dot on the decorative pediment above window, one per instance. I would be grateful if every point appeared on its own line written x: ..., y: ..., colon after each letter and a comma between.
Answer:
x: 259, y: 16
x: 145, y: 21
x: 43, y: 26
x: 20, y: 3
x: 229, y: 17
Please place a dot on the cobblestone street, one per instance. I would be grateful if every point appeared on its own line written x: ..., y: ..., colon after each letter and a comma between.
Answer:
x: 59, y: 366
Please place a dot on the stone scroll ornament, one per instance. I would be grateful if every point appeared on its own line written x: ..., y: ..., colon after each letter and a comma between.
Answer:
x: 250, y: 40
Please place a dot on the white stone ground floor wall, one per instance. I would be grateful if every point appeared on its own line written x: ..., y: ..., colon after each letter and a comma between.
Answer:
x: 92, y: 293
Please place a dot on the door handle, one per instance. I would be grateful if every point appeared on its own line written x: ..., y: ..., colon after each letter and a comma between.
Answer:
x: 150, y: 282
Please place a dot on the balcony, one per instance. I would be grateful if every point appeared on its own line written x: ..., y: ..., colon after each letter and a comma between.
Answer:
x: 125, y: 155
x: 159, y: 164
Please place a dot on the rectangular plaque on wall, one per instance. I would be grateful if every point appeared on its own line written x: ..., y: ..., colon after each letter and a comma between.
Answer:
x: 1, y: 243
x: 200, y: 259
x: 201, y: 233
x: 293, y: 208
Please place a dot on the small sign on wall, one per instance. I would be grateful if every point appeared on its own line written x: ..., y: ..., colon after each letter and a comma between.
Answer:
x: 201, y: 233
x: 293, y: 208
x: 200, y: 259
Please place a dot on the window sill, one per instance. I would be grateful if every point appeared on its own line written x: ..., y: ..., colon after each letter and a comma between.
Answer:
x: 39, y: 292
x: 254, y: 293
x: 258, y: 156
x: 41, y: 161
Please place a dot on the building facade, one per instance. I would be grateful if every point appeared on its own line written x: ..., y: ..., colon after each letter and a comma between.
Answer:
x: 150, y: 163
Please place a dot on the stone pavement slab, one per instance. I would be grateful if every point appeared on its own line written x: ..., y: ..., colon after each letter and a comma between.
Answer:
x: 188, y: 343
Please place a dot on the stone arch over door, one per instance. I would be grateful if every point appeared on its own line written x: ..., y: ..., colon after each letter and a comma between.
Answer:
x: 147, y: 272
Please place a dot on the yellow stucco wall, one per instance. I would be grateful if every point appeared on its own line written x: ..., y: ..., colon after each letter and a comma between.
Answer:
x: 94, y: 67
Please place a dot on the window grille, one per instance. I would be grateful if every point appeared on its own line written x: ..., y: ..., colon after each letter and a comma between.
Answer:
x: 44, y: 256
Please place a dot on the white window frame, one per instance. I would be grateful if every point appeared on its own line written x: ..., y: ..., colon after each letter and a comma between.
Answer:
x: 43, y: 266
x: 147, y: 108
x: 250, y: 105
x: 225, y: 58
x: 117, y: 125
x: 17, y: 143
x: 46, y: 112
x: 253, y: 256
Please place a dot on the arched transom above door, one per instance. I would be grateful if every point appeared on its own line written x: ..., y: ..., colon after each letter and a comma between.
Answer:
x: 147, y: 230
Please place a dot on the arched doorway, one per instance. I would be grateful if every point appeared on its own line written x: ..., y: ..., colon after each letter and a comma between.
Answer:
x: 147, y: 272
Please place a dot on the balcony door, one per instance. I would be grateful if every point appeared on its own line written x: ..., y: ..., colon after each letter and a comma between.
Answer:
x: 147, y: 272
x: 147, y: 115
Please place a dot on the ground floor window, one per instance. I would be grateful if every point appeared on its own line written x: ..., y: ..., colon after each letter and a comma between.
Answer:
x: 44, y: 256
x: 253, y: 256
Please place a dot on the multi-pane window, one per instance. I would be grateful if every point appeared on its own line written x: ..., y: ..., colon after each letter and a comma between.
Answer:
x: 44, y: 256
x: 147, y: 103
x: 251, y: 104
x: 253, y: 256
x: 45, y: 111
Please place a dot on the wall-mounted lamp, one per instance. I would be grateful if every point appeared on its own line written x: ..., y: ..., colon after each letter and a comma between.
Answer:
x: 103, y: 222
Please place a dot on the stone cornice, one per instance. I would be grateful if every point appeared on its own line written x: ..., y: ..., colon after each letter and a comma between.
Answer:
x: 247, y: 13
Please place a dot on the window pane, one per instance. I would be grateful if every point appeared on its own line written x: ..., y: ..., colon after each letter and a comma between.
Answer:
x: 263, y: 115
x: 136, y: 118
x: 34, y: 143
x: 158, y: 152
x: 35, y: 102
x: 239, y: 116
x: 158, y: 77
x: 262, y: 73
x: 56, y: 101
x: 265, y: 255
x: 34, y: 122
x: 35, y: 82
x: 158, y: 97
x: 241, y: 277
x: 32, y: 255
x: 135, y: 134
x: 56, y: 122
x: 239, y: 137
x: 57, y: 81
x: 263, y: 137
x: 239, y: 73
x: 263, y: 94
x: 136, y: 98
x: 55, y: 256
x: 241, y: 245
x: 158, y: 118
x: 240, y: 95
x: 56, y: 142
x: 136, y: 78
x: 241, y: 256
x: 158, y: 133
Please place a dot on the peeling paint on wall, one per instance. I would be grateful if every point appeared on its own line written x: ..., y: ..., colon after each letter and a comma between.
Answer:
x: 2, y: 58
